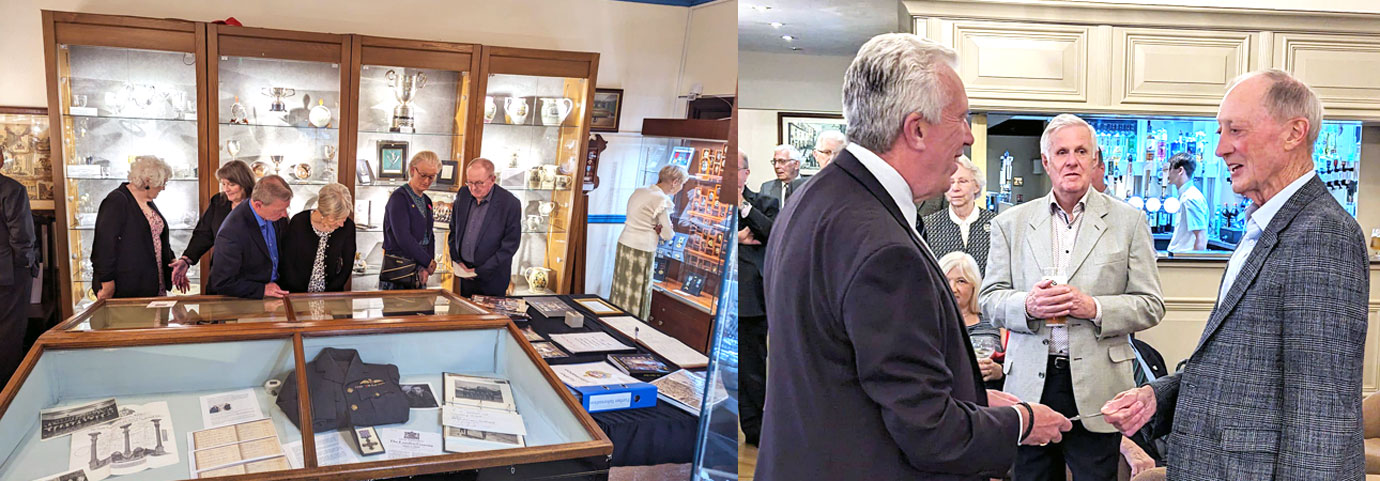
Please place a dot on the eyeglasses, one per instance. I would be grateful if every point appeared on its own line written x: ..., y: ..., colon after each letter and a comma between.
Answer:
x: 476, y: 183
x: 427, y: 177
x: 781, y: 161
x: 824, y: 151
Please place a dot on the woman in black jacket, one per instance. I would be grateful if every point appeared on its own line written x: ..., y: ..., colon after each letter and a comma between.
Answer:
x: 318, y: 249
x: 236, y: 184
x: 131, y: 254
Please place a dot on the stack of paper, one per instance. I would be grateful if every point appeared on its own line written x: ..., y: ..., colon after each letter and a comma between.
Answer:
x: 480, y: 415
x: 668, y: 347
x: 244, y: 448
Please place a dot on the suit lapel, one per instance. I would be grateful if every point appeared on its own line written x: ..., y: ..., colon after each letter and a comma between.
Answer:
x: 1263, y: 247
x: 1089, y: 232
x: 1037, y: 239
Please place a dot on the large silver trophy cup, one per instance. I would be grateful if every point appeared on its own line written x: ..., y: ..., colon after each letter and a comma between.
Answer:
x: 405, y: 88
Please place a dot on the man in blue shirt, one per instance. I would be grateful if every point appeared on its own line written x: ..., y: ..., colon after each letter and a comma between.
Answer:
x: 245, y: 263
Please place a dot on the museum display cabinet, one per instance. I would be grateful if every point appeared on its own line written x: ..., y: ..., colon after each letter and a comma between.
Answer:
x: 172, y: 389
x: 533, y: 123
x: 275, y: 98
x: 28, y: 153
x: 689, y: 270
x: 120, y: 88
x: 313, y: 108
x: 411, y: 96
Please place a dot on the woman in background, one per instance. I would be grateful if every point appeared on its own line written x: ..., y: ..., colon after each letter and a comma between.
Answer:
x: 318, y: 249
x: 131, y: 256
x: 962, y: 271
x: 648, y: 223
x: 236, y: 184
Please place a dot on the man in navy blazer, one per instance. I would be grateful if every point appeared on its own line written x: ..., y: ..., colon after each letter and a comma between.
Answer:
x: 245, y: 263
x: 485, y: 230
x: 871, y: 372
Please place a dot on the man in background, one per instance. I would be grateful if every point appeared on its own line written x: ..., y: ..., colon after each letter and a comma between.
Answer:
x: 18, y: 267
x: 785, y: 160
x: 828, y: 146
x: 755, y: 215
x: 245, y: 262
x: 1190, y: 223
x: 486, y: 229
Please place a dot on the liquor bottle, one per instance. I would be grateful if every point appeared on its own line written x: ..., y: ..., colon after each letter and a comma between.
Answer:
x: 1150, y: 148
x: 1162, y: 150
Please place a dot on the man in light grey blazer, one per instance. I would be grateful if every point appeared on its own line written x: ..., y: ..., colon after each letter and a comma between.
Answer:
x: 1070, y: 275
x: 785, y: 161
x: 1273, y: 389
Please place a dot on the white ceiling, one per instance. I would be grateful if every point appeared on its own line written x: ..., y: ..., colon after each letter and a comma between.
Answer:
x: 821, y: 27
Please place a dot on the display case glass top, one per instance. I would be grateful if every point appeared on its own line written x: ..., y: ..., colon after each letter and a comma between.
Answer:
x: 193, y: 311
x: 533, y: 131
x: 117, y: 104
x: 379, y: 305
x: 28, y: 153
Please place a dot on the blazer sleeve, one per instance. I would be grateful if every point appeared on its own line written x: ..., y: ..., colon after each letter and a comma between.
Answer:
x: 760, y: 218
x: 1141, y: 306
x: 347, y: 253
x: 19, y: 221
x: 512, y: 237
x: 204, y: 235
x: 400, y: 220
x: 1324, y: 345
x: 110, y: 223
x: 1001, y: 303
x: 456, y: 234
x: 227, y: 262
x: 1166, y: 397
x: 894, y: 324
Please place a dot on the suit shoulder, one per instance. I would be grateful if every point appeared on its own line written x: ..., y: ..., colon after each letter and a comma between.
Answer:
x: 1017, y: 213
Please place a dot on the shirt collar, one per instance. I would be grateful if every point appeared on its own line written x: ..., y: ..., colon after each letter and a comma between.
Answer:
x: 262, y: 222
x: 1054, y: 203
x: 339, y: 365
x: 972, y: 216
x: 890, y: 179
x: 1262, y: 215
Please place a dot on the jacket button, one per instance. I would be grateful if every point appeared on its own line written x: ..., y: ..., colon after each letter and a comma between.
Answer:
x: 1042, y: 375
x: 1046, y: 341
x: 350, y: 390
x: 376, y: 394
x: 356, y: 408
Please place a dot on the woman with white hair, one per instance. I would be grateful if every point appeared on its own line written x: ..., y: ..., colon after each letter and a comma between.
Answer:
x: 962, y: 271
x: 131, y: 255
x: 648, y: 223
x: 318, y: 249
x: 963, y: 226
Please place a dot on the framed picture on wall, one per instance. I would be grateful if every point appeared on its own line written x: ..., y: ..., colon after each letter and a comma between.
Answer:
x: 607, y: 108
x: 392, y: 159
x: 446, y: 177
x: 802, y: 129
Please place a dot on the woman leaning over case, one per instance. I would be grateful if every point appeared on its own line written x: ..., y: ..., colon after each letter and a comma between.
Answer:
x: 318, y: 249
x: 236, y: 184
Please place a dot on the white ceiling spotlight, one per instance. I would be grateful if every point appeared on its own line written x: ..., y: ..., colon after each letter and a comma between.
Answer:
x: 777, y: 25
x: 760, y: 8
x: 788, y: 38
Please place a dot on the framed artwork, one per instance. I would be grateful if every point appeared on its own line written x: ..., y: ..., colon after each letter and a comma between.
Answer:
x: 801, y: 130
x: 364, y: 172
x: 392, y: 159
x: 607, y: 108
x: 680, y: 157
x: 449, y: 169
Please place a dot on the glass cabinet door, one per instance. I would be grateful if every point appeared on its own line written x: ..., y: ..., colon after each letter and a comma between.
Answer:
x: 118, y: 104
x: 690, y: 266
x: 534, y: 133
x: 407, y: 105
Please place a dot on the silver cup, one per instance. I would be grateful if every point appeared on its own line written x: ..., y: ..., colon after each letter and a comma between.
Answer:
x: 278, y: 94
x: 405, y: 88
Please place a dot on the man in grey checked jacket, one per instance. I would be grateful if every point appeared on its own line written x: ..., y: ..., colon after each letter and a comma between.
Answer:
x: 1273, y: 390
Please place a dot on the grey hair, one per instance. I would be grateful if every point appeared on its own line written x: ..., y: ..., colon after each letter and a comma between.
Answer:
x: 894, y: 75
x: 483, y: 163
x: 967, y: 163
x: 968, y: 269
x: 791, y: 152
x: 149, y: 172
x: 1059, y: 122
x: 832, y: 136
x: 334, y: 201
x: 270, y: 189
x: 671, y: 174
x: 1289, y: 98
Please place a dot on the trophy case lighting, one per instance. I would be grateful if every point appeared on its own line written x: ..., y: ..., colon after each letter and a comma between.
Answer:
x: 117, y: 104
x: 282, y: 118
x: 690, y: 266
x: 403, y: 111
x: 533, y: 131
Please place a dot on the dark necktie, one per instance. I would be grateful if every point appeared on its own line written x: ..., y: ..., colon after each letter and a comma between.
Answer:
x: 785, y: 191
x: 920, y: 226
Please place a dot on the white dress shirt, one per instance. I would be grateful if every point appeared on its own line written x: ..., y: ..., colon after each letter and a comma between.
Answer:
x: 1257, y: 219
x: 965, y: 223
x: 1192, y: 215
x: 647, y: 207
x: 1064, y: 229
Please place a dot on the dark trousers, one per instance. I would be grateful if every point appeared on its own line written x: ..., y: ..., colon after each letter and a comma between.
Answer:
x: 1090, y: 456
x: 14, y: 321
x: 470, y: 287
x: 752, y: 374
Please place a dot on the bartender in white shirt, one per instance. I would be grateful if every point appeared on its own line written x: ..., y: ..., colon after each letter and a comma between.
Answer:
x: 1190, y: 223
x: 648, y: 223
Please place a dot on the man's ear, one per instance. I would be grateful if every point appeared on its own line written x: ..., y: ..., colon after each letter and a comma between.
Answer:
x: 1295, y: 133
x: 914, y: 130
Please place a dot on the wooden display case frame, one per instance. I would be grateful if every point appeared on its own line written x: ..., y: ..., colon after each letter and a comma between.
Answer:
x: 549, y: 63
x: 593, y: 454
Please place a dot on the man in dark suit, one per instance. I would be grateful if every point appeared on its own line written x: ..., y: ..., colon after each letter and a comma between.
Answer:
x: 872, y: 374
x: 245, y: 263
x: 785, y: 160
x: 1273, y: 389
x: 485, y: 230
x: 18, y: 267
x: 755, y: 217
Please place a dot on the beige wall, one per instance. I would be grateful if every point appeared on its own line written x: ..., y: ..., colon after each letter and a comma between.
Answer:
x: 775, y: 82
x: 643, y: 48
x: 1369, y: 6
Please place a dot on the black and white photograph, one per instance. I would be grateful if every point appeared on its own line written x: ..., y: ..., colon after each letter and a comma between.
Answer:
x: 478, y: 391
x: 549, y: 307
x: 453, y: 434
x: 420, y: 396
x: 59, y: 421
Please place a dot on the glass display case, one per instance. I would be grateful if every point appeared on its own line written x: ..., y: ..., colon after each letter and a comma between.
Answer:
x: 716, y: 452
x: 117, y: 93
x: 689, y: 269
x: 533, y: 123
x: 278, y: 106
x: 147, y: 400
x: 28, y: 154
x: 413, y: 96
x: 1138, y: 149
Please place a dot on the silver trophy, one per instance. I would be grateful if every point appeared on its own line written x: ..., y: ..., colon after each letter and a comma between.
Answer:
x: 405, y: 88
x: 278, y: 94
